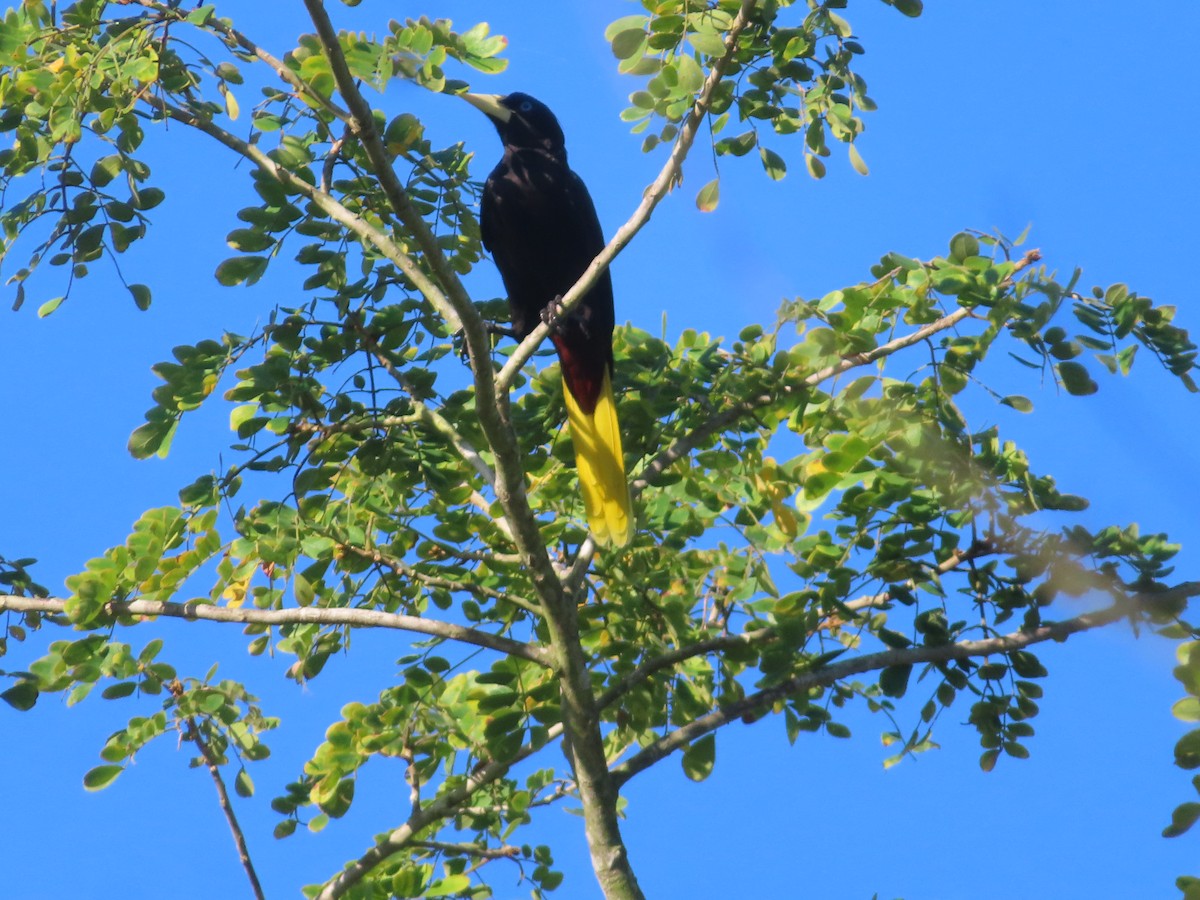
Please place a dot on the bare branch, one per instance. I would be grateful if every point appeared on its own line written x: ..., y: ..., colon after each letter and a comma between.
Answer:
x: 357, y: 618
x: 239, y: 839
x: 659, y: 188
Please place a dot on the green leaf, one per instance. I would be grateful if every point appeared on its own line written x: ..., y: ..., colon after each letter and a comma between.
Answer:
x: 243, y: 784
x: 699, y: 757
x: 773, y: 163
x: 119, y: 690
x: 893, y: 680
x: 910, y: 8
x: 628, y: 44
x: 302, y: 587
x: 856, y: 160
x: 451, y: 884
x: 241, y: 270
x: 709, y: 44
x: 1187, y: 709
x: 249, y: 240
x: 691, y: 76
x: 1075, y: 379
x: 153, y: 438
x: 285, y: 828
x: 1125, y: 358
x: 22, y: 695
x: 101, y: 777
x: 1019, y: 403
x: 625, y: 23
x: 147, y: 198
x: 1183, y: 818
x: 141, y: 296
x: 709, y: 196
x: 105, y: 169
x: 963, y: 246
x: 200, y: 15
x: 1187, y: 750
x: 49, y: 306
x: 1026, y: 665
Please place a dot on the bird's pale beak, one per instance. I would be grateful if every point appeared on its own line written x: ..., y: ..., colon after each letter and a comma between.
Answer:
x: 489, y: 105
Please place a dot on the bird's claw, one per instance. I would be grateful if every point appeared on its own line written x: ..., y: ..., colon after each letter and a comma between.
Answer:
x: 460, y: 337
x: 552, y: 314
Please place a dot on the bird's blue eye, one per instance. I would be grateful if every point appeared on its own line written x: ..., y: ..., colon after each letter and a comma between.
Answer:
x: 526, y: 106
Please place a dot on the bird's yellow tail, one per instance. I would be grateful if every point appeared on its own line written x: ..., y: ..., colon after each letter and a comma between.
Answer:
x: 600, y: 463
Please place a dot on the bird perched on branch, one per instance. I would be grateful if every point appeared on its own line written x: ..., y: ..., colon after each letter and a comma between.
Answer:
x: 538, y: 222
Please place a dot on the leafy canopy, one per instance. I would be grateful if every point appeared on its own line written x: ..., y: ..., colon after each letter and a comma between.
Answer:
x: 819, y: 524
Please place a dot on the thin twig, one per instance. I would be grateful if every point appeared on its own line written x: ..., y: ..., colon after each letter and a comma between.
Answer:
x: 475, y: 850
x: 428, y: 415
x: 400, y: 567
x: 239, y: 839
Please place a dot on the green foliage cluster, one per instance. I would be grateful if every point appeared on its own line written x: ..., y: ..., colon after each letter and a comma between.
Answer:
x: 814, y: 530
x: 770, y: 65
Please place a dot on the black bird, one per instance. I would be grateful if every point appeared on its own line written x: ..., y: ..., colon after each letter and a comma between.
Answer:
x: 538, y: 222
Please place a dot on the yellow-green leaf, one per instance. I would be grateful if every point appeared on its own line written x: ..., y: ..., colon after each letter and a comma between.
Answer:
x: 857, y: 161
x: 709, y: 196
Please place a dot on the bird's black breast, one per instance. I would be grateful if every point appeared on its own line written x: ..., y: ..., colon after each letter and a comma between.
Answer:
x: 540, y: 225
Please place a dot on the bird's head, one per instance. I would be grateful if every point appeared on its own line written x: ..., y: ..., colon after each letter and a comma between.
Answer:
x: 522, y: 121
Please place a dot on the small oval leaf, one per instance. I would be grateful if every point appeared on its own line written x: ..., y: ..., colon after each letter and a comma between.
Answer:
x: 101, y: 777
x: 699, y: 757
x: 856, y: 160
x: 709, y: 196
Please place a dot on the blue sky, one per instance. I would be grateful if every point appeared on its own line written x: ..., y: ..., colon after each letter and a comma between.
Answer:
x: 1075, y: 117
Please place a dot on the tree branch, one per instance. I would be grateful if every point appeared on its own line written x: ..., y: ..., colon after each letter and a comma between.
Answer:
x: 462, y: 313
x: 356, y: 618
x: 651, y: 197
x: 684, y: 445
x: 239, y: 839
x: 1057, y: 631
x: 358, y: 226
x: 440, y: 808
x: 429, y: 416
x: 232, y: 36
x: 475, y: 850
x: 455, y: 307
